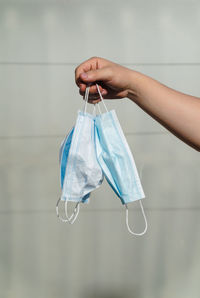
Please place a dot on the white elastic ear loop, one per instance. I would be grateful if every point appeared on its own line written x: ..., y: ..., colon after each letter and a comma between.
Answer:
x: 86, y: 98
x: 145, y: 220
x: 70, y: 219
x: 97, y: 104
x: 75, y: 213
x: 101, y: 97
x: 57, y: 212
x: 87, y: 92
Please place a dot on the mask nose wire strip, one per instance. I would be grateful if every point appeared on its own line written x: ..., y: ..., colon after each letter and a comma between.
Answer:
x: 70, y: 219
x: 101, y: 97
x: 145, y: 220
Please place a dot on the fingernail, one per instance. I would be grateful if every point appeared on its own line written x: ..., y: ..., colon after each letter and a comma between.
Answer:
x: 84, y: 75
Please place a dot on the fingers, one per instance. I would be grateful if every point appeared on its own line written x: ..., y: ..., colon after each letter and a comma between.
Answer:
x: 94, y: 96
x: 94, y: 101
x: 95, y: 70
x: 93, y: 90
x: 91, y: 76
x: 88, y: 65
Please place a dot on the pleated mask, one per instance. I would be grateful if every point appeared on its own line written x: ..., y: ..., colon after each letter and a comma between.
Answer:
x: 117, y: 162
x: 80, y: 172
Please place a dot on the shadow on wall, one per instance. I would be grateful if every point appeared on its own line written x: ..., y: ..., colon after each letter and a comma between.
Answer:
x: 113, y: 293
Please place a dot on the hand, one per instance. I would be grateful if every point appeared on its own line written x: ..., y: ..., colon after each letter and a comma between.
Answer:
x: 176, y: 111
x: 113, y: 79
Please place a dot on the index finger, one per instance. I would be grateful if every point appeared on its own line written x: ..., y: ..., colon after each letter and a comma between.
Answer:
x: 87, y: 65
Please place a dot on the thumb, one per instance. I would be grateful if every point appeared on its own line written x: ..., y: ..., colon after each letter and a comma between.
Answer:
x: 91, y: 76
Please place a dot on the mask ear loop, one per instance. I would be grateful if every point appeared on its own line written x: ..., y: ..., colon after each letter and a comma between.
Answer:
x: 145, y: 220
x: 57, y: 212
x: 98, y: 106
x: 87, y: 91
x: 75, y: 213
x: 86, y: 98
x: 68, y: 219
x: 101, y: 97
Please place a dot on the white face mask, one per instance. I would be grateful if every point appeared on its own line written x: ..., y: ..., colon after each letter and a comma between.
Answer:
x: 80, y: 170
x: 117, y: 162
x: 95, y: 147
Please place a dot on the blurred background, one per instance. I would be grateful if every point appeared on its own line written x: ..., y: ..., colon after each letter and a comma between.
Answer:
x: 41, y: 44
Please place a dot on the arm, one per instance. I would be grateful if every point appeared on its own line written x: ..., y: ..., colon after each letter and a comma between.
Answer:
x: 178, y: 112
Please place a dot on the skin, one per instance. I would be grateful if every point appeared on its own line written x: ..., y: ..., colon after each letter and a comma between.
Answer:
x: 176, y: 111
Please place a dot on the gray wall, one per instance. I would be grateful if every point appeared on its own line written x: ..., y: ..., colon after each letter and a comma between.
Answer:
x: 41, y: 43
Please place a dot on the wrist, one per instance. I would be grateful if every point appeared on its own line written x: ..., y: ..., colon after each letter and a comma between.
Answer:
x: 134, y: 79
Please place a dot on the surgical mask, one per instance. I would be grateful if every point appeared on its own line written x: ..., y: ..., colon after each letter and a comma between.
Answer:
x: 117, y: 162
x: 80, y: 172
x: 113, y: 155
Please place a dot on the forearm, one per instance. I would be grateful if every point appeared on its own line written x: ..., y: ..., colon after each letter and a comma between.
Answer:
x: 178, y: 112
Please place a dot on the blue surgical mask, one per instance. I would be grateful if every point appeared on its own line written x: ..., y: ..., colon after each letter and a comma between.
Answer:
x: 117, y: 162
x: 95, y: 147
x: 80, y: 171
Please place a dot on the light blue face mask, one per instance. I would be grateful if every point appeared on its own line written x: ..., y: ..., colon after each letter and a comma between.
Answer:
x: 80, y: 172
x: 97, y: 146
x: 117, y: 162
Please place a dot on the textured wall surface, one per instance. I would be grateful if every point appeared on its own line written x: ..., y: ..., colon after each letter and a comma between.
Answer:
x: 41, y: 43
